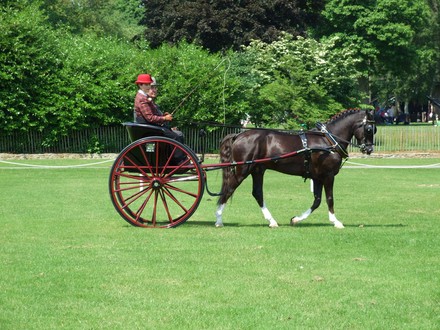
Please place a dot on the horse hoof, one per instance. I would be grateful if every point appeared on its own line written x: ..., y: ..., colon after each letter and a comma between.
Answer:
x: 273, y: 225
x: 218, y: 225
x: 339, y: 226
x: 294, y: 221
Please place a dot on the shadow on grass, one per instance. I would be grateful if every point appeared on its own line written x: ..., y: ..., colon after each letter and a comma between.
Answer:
x: 197, y: 223
x: 303, y: 225
x: 225, y: 224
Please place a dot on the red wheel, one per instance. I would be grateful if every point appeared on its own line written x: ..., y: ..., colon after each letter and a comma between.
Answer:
x: 149, y: 187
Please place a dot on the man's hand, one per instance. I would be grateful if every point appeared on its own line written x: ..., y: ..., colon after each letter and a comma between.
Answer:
x: 168, y: 117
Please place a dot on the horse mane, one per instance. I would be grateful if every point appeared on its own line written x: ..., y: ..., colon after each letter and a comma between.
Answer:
x: 342, y: 114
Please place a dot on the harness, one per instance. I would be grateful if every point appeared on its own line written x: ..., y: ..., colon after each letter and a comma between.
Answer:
x: 331, y: 139
x: 334, y: 146
x: 307, y: 155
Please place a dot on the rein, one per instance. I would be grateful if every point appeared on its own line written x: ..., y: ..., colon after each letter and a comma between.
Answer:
x: 332, y: 139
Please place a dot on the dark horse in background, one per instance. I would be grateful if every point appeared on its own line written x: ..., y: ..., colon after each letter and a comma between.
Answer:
x: 317, y: 154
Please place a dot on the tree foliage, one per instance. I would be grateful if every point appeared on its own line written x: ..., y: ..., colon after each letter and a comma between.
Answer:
x: 434, y: 73
x: 299, y: 81
x: 195, y: 84
x: 28, y: 61
x: 116, y: 18
x: 67, y: 65
x: 225, y: 24
x: 57, y: 81
x: 393, y: 38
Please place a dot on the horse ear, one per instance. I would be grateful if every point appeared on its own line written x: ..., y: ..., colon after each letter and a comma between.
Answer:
x: 369, y: 113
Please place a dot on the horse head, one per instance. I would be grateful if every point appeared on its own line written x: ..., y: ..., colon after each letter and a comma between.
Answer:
x: 364, y: 132
x: 353, y: 122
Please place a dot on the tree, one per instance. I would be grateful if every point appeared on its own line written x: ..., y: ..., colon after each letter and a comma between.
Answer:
x: 196, y: 85
x: 58, y: 82
x: 116, y: 18
x: 435, y: 23
x: 28, y: 61
x: 393, y: 38
x: 224, y: 24
x: 298, y: 81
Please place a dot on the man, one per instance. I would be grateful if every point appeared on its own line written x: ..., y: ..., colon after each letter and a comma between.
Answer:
x: 146, y: 111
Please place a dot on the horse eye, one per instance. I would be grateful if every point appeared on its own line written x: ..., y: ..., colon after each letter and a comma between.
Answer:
x: 371, y: 129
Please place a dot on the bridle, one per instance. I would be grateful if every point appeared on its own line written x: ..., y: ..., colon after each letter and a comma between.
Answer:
x: 369, y: 130
x: 369, y: 127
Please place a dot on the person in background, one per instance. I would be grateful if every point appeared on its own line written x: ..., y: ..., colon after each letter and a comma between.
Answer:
x: 432, y: 115
x: 391, y: 114
x: 146, y: 111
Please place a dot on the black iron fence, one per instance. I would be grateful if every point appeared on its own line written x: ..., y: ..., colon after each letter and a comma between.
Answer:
x: 105, y: 140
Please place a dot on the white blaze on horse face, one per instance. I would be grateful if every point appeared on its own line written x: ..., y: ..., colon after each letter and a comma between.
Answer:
x: 338, y: 224
x: 268, y: 216
x: 218, y: 215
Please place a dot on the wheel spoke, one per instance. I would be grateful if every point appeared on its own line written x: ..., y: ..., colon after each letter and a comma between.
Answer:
x: 135, y: 165
x: 169, y: 194
x: 142, y: 207
x: 164, y: 201
x: 154, y: 215
x: 186, y: 192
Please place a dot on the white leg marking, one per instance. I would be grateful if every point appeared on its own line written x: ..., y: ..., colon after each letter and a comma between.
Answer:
x: 268, y: 216
x: 218, y: 215
x: 298, y: 219
x: 338, y: 224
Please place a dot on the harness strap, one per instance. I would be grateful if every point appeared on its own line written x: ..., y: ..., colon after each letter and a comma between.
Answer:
x: 307, y: 156
x: 303, y: 137
x: 331, y: 139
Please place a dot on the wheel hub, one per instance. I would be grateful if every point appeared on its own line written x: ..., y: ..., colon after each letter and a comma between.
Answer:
x: 156, y: 184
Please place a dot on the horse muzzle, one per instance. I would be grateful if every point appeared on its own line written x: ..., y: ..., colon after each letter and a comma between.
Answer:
x: 366, y: 148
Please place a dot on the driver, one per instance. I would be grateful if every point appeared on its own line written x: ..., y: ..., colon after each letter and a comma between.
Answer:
x: 146, y: 111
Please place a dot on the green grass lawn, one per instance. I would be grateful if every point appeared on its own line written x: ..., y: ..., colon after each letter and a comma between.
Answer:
x: 68, y: 261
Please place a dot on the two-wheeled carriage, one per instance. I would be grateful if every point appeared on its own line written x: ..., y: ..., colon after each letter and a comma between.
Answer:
x: 151, y: 187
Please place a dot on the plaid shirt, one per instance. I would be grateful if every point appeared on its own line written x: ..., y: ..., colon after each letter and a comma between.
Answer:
x: 145, y: 110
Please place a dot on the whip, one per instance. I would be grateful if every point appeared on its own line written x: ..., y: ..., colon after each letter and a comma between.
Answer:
x: 197, y: 86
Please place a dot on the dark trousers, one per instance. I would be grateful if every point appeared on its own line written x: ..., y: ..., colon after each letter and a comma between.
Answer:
x: 169, y: 133
x: 174, y: 134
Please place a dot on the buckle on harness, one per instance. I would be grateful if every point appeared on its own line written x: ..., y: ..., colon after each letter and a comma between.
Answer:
x: 321, y: 127
x: 303, y: 137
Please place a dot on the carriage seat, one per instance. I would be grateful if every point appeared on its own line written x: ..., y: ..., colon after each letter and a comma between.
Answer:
x: 138, y: 131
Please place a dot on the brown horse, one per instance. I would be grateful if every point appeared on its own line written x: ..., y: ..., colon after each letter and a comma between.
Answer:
x: 316, y: 154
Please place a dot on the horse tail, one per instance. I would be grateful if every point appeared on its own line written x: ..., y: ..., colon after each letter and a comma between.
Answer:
x: 228, y: 172
x: 226, y: 148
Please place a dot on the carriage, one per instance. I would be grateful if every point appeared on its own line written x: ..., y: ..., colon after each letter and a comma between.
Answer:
x: 150, y: 187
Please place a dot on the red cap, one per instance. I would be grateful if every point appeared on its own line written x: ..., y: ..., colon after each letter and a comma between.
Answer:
x: 144, y: 79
